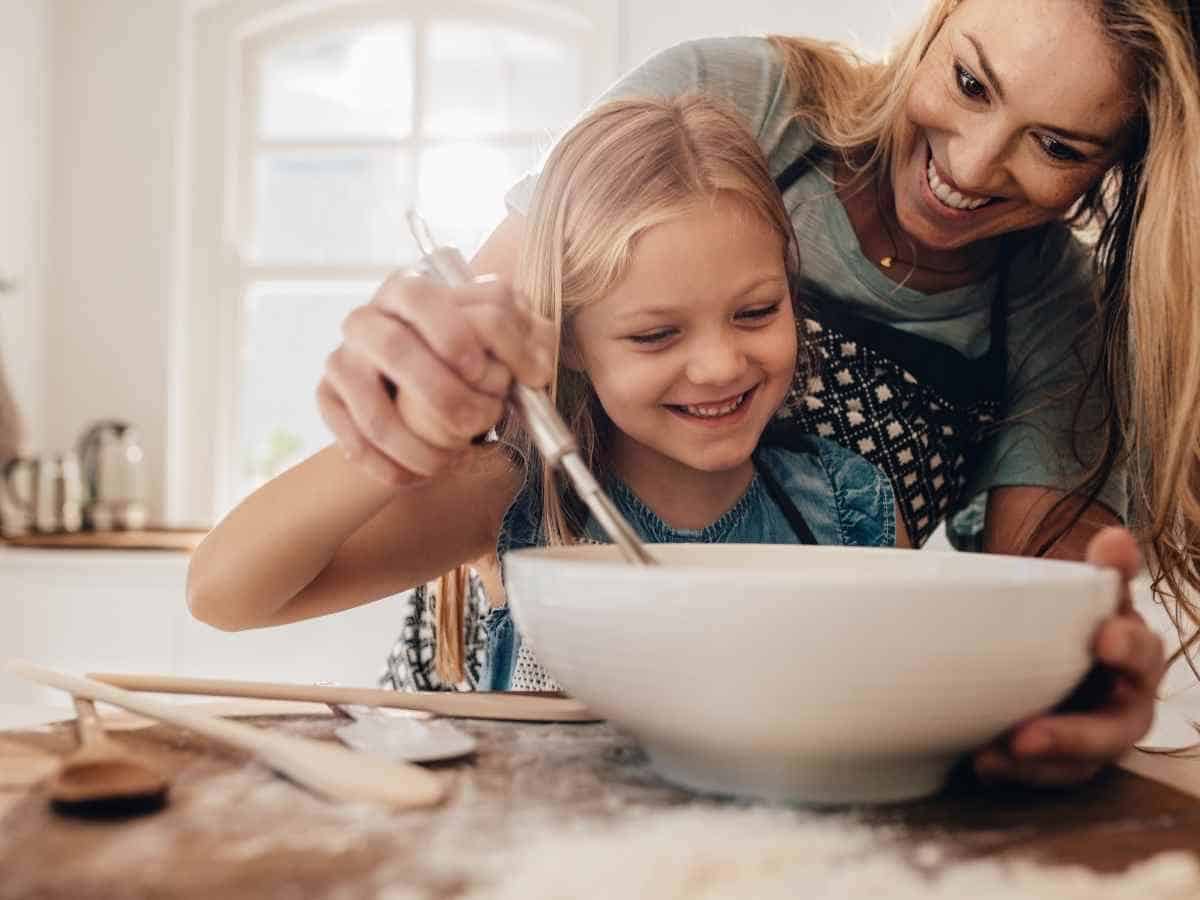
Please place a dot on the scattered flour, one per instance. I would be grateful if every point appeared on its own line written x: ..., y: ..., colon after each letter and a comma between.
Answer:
x: 732, y: 855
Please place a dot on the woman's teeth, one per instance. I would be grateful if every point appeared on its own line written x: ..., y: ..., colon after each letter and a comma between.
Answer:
x: 949, y: 196
x: 712, y: 410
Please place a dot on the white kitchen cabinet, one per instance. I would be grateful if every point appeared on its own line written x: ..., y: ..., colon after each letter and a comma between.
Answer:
x: 102, y: 610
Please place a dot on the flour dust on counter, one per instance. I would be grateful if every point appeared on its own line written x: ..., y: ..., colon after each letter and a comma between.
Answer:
x: 714, y: 854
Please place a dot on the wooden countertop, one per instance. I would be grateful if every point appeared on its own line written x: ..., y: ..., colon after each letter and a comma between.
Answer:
x: 179, y: 539
x: 234, y: 830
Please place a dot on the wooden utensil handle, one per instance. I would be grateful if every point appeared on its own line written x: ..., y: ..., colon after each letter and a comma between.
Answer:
x: 87, y: 722
x: 511, y: 706
x: 326, y: 768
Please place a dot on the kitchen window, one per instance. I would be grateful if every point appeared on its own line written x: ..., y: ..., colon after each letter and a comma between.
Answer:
x: 333, y: 126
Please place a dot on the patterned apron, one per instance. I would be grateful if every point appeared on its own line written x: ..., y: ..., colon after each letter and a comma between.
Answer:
x: 917, y: 409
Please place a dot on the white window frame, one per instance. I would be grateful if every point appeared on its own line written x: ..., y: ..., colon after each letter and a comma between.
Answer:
x: 204, y: 328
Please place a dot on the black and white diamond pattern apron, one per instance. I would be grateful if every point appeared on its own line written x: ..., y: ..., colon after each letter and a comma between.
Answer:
x: 917, y: 409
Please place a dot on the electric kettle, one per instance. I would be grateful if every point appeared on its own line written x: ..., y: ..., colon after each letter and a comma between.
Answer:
x: 114, y: 476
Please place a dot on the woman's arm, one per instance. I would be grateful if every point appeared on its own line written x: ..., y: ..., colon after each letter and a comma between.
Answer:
x: 324, y: 537
x: 1021, y: 519
x: 1114, y: 707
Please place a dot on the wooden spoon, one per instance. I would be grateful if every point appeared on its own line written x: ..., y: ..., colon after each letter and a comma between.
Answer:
x: 102, y: 777
x: 326, y: 768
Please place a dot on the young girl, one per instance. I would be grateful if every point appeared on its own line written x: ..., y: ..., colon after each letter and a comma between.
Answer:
x: 659, y: 268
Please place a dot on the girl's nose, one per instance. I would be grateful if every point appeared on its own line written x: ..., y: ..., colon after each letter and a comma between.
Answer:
x: 716, y: 362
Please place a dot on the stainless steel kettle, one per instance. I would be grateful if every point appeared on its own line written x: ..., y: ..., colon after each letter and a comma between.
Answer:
x: 114, y: 476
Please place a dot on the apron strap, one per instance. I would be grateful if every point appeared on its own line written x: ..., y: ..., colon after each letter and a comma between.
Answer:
x: 996, y: 358
x: 790, y: 512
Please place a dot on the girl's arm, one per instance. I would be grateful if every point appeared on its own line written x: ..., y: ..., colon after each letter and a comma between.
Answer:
x: 422, y: 369
x: 324, y: 536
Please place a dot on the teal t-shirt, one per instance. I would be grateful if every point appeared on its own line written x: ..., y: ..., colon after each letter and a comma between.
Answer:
x: 1050, y: 295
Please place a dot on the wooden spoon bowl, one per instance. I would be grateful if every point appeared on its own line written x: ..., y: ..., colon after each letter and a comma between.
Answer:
x: 102, y: 778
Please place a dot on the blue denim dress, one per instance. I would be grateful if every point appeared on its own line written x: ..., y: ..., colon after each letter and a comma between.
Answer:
x: 844, y: 499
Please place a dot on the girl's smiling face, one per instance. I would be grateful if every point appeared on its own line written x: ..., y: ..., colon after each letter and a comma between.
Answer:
x: 1015, y: 111
x: 695, y: 349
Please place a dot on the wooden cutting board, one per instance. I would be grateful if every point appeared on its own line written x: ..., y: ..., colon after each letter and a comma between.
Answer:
x: 178, y: 539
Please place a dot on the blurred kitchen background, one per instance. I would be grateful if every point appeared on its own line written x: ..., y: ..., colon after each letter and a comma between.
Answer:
x: 194, y: 192
x: 192, y: 195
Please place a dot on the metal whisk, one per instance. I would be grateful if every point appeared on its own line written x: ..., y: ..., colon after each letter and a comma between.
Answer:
x: 551, y: 435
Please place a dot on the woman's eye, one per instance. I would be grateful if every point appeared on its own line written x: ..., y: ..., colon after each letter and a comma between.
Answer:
x: 969, y: 85
x: 1059, y: 151
x: 760, y: 312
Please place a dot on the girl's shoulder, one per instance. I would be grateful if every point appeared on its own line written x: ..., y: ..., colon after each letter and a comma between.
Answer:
x: 845, y: 498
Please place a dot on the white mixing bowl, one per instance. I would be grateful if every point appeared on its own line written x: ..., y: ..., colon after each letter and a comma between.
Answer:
x: 809, y: 674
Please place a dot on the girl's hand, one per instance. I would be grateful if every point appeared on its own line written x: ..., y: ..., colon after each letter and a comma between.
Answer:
x: 451, y: 355
x: 1109, y: 712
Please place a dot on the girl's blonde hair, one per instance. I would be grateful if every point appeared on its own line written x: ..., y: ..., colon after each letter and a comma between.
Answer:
x: 627, y: 166
x: 1149, y: 250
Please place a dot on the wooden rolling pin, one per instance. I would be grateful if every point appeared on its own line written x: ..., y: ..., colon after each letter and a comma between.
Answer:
x: 321, y: 766
x: 513, y: 706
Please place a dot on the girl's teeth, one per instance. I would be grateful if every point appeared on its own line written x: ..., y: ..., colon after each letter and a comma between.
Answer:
x: 713, y: 410
x: 949, y: 196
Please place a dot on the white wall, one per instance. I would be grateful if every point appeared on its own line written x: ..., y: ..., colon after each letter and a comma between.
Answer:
x: 112, y: 211
x: 866, y: 25
x: 25, y: 73
x: 111, y: 219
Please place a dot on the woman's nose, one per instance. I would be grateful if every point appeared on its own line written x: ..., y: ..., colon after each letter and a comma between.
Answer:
x: 718, y: 361
x: 978, y: 162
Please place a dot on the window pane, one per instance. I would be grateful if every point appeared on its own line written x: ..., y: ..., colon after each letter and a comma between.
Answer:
x: 345, y: 84
x: 289, y: 330
x: 484, y: 79
x: 332, y: 207
x: 461, y: 188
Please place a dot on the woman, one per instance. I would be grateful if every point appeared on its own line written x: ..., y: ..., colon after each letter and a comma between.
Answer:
x: 961, y: 317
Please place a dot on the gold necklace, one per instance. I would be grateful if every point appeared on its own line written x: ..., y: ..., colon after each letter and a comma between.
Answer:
x: 891, y: 259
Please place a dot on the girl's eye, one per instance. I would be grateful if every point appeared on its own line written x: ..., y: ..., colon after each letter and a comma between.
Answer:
x: 1059, y: 151
x: 968, y: 84
x: 654, y: 337
x: 760, y: 312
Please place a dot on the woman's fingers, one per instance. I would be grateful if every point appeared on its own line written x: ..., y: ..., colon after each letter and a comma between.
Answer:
x: 1125, y: 644
x: 468, y: 325
x: 432, y: 309
x: 1116, y: 548
x: 352, y: 442
x: 381, y: 424
x: 1068, y: 747
x: 448, y: 356
x: 431, y: 397
x: 995, y: 766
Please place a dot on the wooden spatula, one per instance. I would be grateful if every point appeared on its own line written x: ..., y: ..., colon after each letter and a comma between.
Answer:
x: 325, y: 768
x: 103, y: 778
x: 514, y: 706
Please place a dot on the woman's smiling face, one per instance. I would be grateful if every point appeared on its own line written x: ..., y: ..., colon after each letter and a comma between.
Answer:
x: 1015, y: 111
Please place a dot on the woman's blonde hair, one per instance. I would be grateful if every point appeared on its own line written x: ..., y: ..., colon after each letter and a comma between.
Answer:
x: 627, y: 166
x: 1148, y: 248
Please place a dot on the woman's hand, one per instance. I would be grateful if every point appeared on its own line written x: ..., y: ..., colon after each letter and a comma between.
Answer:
x: 450, y: 354
x: 1109, y: 712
